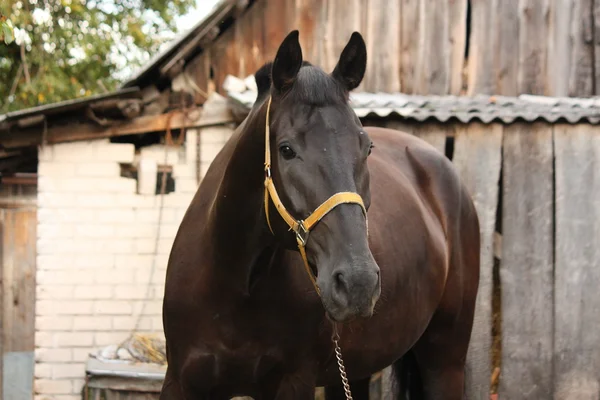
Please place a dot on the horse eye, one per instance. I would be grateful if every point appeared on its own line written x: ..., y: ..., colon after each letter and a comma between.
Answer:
x: 371, y: 146
x: 287, y: 152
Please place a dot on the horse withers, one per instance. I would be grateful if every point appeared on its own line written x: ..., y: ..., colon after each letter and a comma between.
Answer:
x: 306, y: 221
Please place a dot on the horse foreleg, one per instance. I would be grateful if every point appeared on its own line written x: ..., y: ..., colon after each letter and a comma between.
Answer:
x: 289, y: 387
x: 359, y: 389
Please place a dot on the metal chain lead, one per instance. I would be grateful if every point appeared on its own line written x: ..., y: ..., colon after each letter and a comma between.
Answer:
x: 340, y: 362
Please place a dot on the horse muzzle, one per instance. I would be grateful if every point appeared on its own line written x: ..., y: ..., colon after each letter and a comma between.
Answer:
x: 351, y: 291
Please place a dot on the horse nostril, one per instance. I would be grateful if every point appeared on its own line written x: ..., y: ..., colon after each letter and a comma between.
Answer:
x: 340, y: 282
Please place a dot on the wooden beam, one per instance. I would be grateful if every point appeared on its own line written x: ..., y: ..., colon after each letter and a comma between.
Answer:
x: 88, y: 131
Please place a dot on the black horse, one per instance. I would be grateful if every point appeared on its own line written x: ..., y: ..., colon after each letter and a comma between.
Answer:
x: 241, y: 316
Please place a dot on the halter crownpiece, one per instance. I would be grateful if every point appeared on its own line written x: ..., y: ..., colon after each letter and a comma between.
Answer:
x: 301, y: 227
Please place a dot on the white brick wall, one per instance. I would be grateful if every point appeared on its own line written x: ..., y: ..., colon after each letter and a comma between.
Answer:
x: 96, y: 239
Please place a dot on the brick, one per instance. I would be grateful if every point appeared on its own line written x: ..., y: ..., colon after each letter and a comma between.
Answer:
x: 68, y: 247
x: 113, y: 276
x: 185, y: 171
x: 56, y: 231
x: 66, y: 215
x: 108, y: 338
x: 118, y: 152
x: 94, y: 261
x: 119, y: 246
x: 158, y: 277
x: 45, y: 355
x: 178, y: 200
x: 157, y: 324
x: 157, y: 153
x: 215, y: 135
x: 136, y: 231
x: 53, y: 262
x: 116, y: 215
x: 96, y: 200
x: 54, y: 323
x: 128, y: 323
x: 94, y: 323
x: 113, y: 307
x: 75, y: 151
x: 153, y: 307
x: 50, y: 292
x: 145, y: 246
x: 63, y: 277
x: 78, y: 385
x: 168, y: 231
x: 165, y: 245
x: 151, y: 215
x: 61, y: 371
x: 93, y: 292
x: 47, y: 386
x: 98, y: 169
x: 130, y: 292
x: 63, y: 307
x: 73, y: 339
x: 82, y: 354
x: 45, y: 339
x: 183, y: 185
x: 208, y: 151
x: 95, y: 231
x: 133, y: 261
x: 56, y: 200
x: 42, y: 371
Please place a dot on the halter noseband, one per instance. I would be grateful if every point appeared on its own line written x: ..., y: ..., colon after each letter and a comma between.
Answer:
x: 301, y: 227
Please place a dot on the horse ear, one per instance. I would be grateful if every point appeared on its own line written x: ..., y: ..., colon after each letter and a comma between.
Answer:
x: 287, y: 62
x: 352, y: 64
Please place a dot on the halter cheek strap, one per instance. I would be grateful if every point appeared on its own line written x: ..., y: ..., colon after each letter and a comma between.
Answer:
x: 301, y: 227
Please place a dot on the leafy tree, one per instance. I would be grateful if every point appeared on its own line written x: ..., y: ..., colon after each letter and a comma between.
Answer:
x: 64, y: 49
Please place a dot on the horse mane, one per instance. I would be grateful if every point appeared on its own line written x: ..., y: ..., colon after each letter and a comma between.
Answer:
x: 313, y: 86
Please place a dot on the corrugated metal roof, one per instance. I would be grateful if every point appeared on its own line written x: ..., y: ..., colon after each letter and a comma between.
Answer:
x: 442, y: 108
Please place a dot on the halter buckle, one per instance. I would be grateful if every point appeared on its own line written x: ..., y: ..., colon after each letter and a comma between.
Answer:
x: 301, y: 233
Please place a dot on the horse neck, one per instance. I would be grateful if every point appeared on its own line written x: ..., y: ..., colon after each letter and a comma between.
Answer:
x: 237, y: 220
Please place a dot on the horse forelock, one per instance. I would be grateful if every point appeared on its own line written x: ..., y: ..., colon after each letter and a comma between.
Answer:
x: 312, y: 86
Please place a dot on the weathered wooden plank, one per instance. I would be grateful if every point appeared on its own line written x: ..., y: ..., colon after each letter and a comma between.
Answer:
x: 383, y: 46
x: 577, y: 266
x: 277, y: 25
x: 409, y: 42
x: 199, y: 71
x: 596, y: 22
x: 526, y: 270
x: 345, y: 17
x: 506, y: 28
x: 250, y: 34
x: 477, y: 157
x: 435, y: 134
x: 560, y: 47
x: 581, y: 79
x: 308, y: 22
x: 432, y: 75
x: 481, y: 41
x: 151, y: 123
x: 457, y: 36
x: 19, y: 272
x: 533, y: 49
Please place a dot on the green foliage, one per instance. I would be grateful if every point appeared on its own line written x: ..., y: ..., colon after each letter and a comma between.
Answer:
x: 6, y: 30
x: 66, y: 49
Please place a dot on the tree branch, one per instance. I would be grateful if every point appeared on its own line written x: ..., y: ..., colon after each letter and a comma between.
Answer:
x: 13, y: 88
x: 24, y: 64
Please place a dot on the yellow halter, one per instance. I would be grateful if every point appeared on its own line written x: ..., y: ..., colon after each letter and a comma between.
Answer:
x: 301, y: 227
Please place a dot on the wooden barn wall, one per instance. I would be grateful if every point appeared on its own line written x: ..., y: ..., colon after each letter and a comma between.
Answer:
x: 536, y: 187
x: 542, y: 47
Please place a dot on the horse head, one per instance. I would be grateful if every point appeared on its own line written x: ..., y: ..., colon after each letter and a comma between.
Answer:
x: 318, y: 149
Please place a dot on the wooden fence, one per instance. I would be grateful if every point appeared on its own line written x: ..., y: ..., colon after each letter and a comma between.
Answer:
x: 431, y: 47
